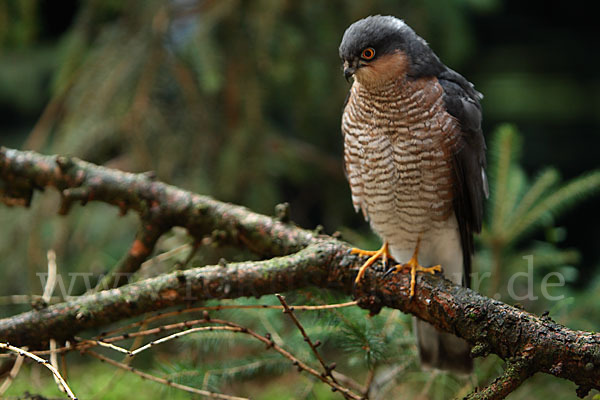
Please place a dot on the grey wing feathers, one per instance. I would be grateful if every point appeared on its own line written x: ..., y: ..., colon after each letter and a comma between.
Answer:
x: 470, y: 187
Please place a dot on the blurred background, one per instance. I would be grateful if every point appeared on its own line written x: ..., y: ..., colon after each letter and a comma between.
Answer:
x: 242, y: 100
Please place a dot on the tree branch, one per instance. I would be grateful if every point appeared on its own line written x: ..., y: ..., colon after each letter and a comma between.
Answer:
x: 300, y: 259
x: 515, y: 373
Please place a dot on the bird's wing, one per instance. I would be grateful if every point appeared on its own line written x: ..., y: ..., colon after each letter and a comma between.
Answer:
x: 470, y: 181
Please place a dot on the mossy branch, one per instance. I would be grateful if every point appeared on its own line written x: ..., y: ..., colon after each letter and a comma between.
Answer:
x: 297, y: 259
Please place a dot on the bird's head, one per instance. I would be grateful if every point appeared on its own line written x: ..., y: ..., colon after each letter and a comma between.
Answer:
x: 378, y: 48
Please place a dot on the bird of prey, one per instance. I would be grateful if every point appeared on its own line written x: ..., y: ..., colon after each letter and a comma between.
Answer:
x: 414, y: 156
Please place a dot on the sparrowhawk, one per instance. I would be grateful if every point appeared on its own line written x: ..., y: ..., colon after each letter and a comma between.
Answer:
x: 414, y: 156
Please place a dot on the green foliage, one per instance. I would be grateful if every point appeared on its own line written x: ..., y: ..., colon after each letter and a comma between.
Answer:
x: 519, y: 206
x: 220, y: 374
x: 363, y: 340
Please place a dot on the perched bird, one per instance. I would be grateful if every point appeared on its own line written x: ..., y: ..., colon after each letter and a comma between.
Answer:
x: 414, y: 155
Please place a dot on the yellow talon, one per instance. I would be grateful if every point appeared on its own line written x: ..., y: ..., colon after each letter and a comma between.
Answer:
x: 414, y: 266
x: 383, y: 253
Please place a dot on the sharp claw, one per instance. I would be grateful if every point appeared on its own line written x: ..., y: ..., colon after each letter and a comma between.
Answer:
x: 391, y: 270
x: 383, y: 253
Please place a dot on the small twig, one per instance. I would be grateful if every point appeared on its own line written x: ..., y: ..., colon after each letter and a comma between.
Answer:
x: 167, y: 255
x: 300, y: 365
x: 289, y: 311
x: 106, y: 341
x: 148, y: 234
x: 51, y: 282
x: 14, y: 371
x: 125, y: 360
x: 225, y: 307
x: 369, y: 381
x: 233, y: 327
x: 48, y: 290
x: 163, y: 328
x: 54, y: 360
x: 194, y: 249
x: 273, y: 332
x: 162, y: 380
x: 347, y: 381
x: 515, y: 373
x: 136, y: 343
x: 183, y: 333
x: 45, y: 363
x: 111, y: 346
x: 63, y: 349
x: 83, y: 344
x: 25, y: 299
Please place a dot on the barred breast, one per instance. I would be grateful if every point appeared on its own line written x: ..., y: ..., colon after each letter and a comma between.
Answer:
x: 398, y: 145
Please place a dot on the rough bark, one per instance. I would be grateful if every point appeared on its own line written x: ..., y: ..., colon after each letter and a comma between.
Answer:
x: 297, y: 258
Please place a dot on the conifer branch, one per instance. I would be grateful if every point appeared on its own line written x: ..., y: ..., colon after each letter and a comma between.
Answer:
x: 327, y: 369
x: 296, y: 258
x: 515, y: 373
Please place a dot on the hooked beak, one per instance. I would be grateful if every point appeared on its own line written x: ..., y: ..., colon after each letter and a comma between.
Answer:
x: 349, y: 70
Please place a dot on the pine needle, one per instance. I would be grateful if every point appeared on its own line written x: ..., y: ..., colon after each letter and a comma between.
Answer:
x: 556, y: 203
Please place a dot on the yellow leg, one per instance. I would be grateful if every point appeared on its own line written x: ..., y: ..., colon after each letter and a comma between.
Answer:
x: 382, y: 253
x: 414, y: 266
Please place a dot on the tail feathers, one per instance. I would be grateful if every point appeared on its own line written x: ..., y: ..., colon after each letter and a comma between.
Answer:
x: 441, y: 350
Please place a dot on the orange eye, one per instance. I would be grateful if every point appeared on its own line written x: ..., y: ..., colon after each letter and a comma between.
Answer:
x: 368, y: 53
